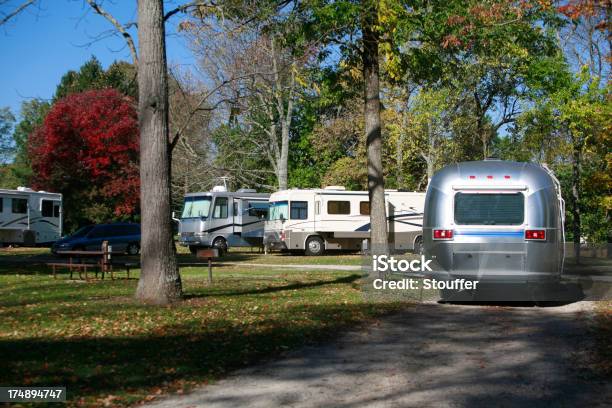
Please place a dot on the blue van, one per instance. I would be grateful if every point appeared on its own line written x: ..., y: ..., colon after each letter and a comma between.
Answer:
x: 122, y: 237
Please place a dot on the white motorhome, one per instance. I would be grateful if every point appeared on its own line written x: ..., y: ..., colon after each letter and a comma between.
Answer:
x: 223, y: 219
x: 29, y: 217
x: 333, y: 218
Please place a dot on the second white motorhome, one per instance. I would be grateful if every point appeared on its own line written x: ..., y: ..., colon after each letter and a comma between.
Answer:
x: 314, y: 221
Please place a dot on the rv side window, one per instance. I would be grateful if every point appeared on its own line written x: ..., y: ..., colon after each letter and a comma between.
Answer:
x: 20, y: 206
x: 364, y: 208
x: 489, y: 209
x: 46, y: 208
x: 258, y: 209
x: 1, y: 204
x: 235, y: 208
x: 317, y: 207
x: 220, y: 210
x: 56, y: 210
x: 299, y: 210
x: 338, y: 207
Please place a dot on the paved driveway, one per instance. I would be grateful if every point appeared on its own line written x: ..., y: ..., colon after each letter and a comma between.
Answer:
x: 430, y: 356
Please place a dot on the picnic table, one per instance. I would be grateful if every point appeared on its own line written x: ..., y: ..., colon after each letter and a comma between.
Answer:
x: 76, y: 261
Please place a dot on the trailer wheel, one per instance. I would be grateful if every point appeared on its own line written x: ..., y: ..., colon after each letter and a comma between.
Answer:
x: 221, y: 245
x: 314, y: 246
x: 418, y: 245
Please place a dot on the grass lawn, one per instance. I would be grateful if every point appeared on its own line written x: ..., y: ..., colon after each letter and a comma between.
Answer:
x: 252, y: 256
x: 16, y: 256
x: 104, y: 347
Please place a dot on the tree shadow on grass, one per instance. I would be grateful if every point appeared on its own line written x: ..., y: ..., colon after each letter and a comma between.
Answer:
x: 133, y: 367
x: 272, y: 289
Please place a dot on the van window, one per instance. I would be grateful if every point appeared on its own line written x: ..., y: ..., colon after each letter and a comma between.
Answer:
x: 20, y: 206
x: 1, y: 204
x: 338, y: 207
x: 100, y: 231
x: 299, y: 210
x: 46, y: 208
x: 489, y: 209
x: 220, y: 210
x: 364, y: 208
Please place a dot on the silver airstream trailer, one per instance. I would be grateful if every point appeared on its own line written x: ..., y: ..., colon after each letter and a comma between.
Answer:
x: 495, y: 221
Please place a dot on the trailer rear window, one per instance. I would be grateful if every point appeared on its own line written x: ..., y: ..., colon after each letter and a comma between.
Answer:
x: 489, y: 209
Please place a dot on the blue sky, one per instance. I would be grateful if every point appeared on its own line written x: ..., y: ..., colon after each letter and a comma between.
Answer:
x: 44, y: 42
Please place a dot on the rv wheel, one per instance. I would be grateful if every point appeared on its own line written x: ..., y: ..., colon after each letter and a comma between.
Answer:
x: 221, y: 245
x: 314, y: 246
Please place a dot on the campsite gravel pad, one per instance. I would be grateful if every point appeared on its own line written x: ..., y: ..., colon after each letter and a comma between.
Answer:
x: 431, y: 355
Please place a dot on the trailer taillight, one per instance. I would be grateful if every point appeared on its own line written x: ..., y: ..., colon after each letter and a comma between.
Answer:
x: 442, y: 234
x: 535, y: 235
x: 282, y: 235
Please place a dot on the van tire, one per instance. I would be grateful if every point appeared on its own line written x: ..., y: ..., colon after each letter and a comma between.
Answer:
x: 221, y: 245
x: 418, y: 245
x: 314, y: 246
x: 132, y: 249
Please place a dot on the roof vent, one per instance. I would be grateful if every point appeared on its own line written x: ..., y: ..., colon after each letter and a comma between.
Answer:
x: 21, y: 188
x: 246, y: 190
x: 219, y: 189
x: 341, y: 188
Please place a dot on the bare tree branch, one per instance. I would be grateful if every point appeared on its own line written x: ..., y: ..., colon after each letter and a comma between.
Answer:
x: 18, y: 10
x: 120, y: 27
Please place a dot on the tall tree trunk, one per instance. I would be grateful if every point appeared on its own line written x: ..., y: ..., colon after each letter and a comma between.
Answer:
x: 399, y: 159
x: 576, y: 197
x: 284, y: 156
x: 376, y: 187
x: 160, y: 281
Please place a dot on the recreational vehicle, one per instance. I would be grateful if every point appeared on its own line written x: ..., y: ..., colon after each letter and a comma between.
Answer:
x: 29, y: 217
x: 314, y: 221
x: 222, y: 219
x: 495, y: 220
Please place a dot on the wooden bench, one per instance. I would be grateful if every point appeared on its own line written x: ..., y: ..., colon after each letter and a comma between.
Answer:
x: 80, y: 267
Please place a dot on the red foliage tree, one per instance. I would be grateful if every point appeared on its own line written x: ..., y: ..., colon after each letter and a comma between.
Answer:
x: 87, y: 149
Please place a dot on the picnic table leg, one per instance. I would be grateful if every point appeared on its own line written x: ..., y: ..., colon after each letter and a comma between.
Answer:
x: 128, y: 271
x: 54, y: 275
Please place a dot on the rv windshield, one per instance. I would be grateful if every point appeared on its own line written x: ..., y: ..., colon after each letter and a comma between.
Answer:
x: 278, y: 210
x: 489, y: 209
x: 196, y: 207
